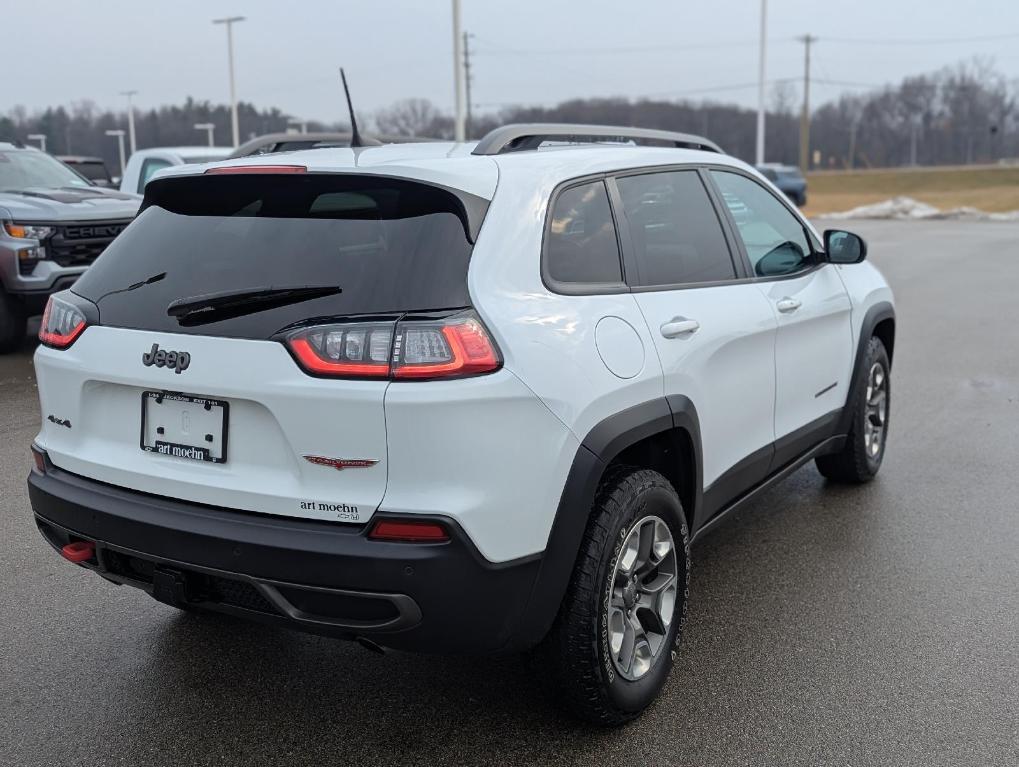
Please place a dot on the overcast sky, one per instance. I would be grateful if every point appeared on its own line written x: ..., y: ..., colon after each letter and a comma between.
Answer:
x: 527, y: 51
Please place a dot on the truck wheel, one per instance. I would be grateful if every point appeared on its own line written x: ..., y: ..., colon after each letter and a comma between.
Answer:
x: 12, y: 323
x: 613, y: 643
x: 860, y: 458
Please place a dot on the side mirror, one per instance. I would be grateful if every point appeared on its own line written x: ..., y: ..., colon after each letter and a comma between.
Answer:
x: 844, y: 247
x: 784, y: 259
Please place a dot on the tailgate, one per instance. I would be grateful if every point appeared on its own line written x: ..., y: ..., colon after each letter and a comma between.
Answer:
x: 272, y: 416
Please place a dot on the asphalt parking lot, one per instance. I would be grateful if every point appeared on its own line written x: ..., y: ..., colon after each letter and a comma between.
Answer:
x: 828, y: 626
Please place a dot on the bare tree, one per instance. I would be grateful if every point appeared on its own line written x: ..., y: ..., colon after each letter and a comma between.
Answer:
x: 413, y: 117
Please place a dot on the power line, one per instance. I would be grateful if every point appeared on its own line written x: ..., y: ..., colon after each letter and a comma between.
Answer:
x: 921, y: 40
x: 503, y: 50
x: 689, y: 91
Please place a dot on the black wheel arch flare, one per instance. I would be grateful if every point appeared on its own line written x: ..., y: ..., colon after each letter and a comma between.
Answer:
x: 608, y: 440
x: 603, y: 444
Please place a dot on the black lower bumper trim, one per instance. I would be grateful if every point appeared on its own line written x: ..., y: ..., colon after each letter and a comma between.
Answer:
x: 315, y: 576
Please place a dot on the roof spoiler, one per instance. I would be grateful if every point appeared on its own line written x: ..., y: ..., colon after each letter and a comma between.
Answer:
x: 527, y: 136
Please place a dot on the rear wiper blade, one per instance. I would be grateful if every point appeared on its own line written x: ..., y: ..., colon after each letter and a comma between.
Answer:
x: 210, y: 307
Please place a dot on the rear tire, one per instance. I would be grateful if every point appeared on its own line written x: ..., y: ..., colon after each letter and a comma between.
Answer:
x: 860, y: 458
x: 613, y: 643
x: 13, y: 323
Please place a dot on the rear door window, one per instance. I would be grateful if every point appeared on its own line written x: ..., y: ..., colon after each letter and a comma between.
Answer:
x: 582, y: 247
x: 676, y: 234
x: 390, y: 245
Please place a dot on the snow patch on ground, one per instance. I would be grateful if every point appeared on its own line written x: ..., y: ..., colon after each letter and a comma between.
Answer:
x: 906, y: 208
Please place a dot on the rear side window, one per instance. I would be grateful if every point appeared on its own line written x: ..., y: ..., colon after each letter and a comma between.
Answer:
x: 391, y: 246
x: 582, y: 246
x: 677, y: 237
x: 149, y: 168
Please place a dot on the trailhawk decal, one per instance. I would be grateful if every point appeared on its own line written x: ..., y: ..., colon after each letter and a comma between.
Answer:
x: 341, y: 463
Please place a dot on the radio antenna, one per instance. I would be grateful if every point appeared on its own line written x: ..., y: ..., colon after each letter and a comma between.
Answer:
x: 355, y: 135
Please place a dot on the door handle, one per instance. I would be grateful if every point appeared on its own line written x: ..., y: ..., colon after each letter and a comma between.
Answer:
x: 679, y: 326
x: 788, y: 305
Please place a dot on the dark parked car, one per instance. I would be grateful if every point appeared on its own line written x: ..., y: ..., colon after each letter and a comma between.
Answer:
x: 92, y: 168
x: 788, y: 179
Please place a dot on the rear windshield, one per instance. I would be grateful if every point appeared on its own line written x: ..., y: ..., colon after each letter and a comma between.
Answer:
x: 390, y: 245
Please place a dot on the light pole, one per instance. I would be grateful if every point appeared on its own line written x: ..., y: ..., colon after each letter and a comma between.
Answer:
x: 120, y: 140
x: 760, y: 83
x: 40, y: 137
x: 459, y: 118
x: 130, y: 118
x: 229, y: 21
x: 303, y: 125
x: 209, y: 128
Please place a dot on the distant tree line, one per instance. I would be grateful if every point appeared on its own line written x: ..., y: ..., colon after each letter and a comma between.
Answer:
x: 960, y: 115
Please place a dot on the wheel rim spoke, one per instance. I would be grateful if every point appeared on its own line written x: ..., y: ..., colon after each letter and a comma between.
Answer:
x: 642, y: 597
x: 876, y: 410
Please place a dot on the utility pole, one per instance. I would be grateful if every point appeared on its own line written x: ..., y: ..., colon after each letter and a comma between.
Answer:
x: 807, y: 40
x: 467, y: 84
x: 854, y: 126
x: 760, y: 83
x: 914, y: 130
x: 458, y: 85
x: 230, y: 21
x: 130, y: 118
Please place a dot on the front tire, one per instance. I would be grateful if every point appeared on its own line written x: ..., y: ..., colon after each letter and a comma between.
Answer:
x: 861, y: 457
x: 13, y: 323
x: 613, y: 643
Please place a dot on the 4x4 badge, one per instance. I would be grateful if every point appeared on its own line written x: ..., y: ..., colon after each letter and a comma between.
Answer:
x: 341, y: 463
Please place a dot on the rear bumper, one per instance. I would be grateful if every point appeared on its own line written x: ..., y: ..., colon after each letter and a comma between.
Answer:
x: 313, y: 576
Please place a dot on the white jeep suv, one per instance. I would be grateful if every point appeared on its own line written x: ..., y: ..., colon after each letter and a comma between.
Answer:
x: 455, y: 398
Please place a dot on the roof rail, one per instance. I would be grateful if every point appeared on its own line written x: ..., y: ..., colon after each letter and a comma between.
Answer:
x: 525, y: 136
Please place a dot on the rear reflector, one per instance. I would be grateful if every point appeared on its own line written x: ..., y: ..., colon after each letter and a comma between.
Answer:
x: 260, y: 169
x: 78, y: 551
x: 408, y: 531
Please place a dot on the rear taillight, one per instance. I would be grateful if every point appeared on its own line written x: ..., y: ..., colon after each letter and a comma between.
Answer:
x: 450, y: 347
x: 459, y: 346
x: 354, y: 350
x: 62, y: 323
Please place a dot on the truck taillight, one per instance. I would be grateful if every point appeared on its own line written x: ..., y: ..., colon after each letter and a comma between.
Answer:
x: 62, y: 323
x: 412, y: 349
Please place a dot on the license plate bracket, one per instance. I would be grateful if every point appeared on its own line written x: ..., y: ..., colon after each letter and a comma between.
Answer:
x: 185, y: 426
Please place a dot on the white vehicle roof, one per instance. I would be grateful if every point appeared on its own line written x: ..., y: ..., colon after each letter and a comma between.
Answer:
x: 454, y: 165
